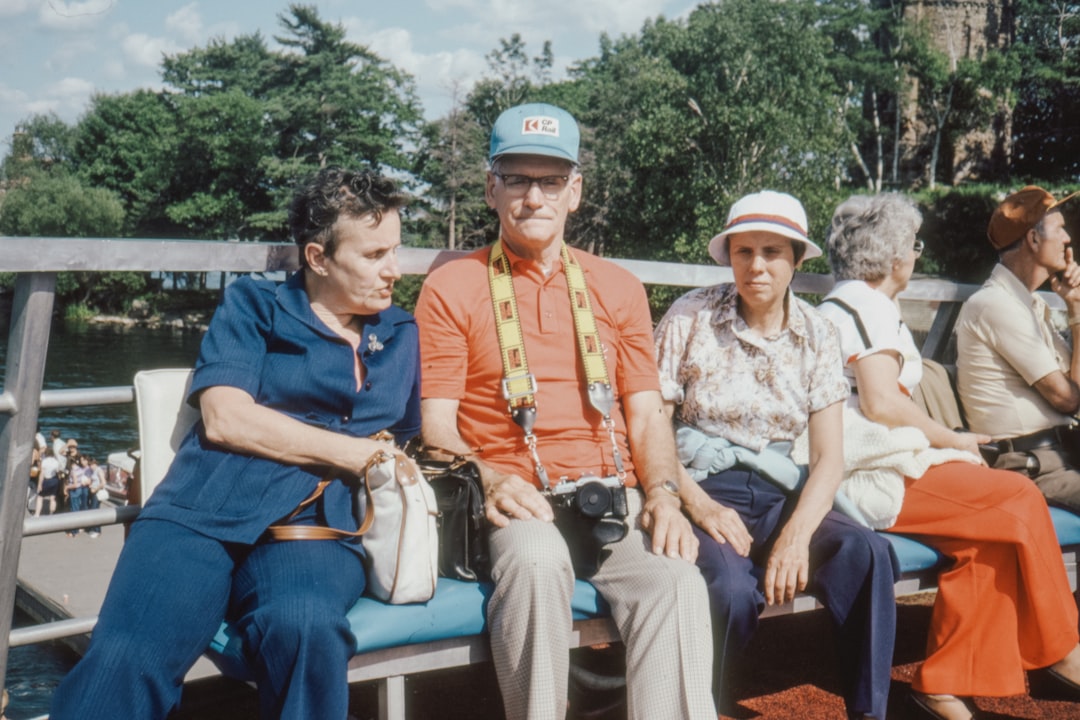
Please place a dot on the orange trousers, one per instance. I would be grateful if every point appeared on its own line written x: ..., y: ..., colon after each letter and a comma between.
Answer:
x: 1005, y: 604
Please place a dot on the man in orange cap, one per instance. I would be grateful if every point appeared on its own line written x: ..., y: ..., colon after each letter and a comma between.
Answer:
x: 1016, y: 374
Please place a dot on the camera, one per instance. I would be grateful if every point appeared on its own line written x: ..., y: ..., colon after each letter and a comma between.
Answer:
x: 589, y: 512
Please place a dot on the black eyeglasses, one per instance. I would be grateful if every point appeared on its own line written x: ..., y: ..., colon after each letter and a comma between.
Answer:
x: 918, y: 246
x: 519, y: 185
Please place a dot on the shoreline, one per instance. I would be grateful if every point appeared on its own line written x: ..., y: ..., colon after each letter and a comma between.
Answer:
x: 192, y: 320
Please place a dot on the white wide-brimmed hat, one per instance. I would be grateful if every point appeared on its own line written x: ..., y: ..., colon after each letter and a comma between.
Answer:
x: 765, y: 211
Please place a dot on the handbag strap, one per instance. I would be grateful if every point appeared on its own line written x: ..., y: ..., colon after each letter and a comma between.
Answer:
x: 863, y: 335
x: 285, y: 531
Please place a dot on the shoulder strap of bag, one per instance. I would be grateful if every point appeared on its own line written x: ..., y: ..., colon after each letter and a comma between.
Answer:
x: 854, y: 316
x: 284, y: 531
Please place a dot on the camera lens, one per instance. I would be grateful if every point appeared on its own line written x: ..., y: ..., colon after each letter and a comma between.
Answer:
x: 593, y: 499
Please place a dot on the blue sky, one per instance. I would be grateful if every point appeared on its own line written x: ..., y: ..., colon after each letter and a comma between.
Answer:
x: 54, y: 54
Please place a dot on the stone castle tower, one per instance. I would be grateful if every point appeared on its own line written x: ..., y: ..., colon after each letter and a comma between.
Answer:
x: 961, y: 29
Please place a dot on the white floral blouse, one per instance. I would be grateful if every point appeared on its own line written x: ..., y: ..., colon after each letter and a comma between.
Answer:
x: 730, y: 383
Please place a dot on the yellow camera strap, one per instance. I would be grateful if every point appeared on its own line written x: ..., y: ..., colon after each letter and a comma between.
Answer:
x: 519, y: 385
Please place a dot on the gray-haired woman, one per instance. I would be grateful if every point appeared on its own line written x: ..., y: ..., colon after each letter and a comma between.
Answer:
x: 1004, y: 605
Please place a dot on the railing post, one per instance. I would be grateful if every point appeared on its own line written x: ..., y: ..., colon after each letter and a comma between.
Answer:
x: 937, y: 339
x: 28, y: 341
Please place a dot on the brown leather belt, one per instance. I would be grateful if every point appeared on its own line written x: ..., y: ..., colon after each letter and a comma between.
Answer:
x: 1043, y: 438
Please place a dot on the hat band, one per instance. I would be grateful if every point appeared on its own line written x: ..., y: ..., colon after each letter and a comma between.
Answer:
x: 768, y: 219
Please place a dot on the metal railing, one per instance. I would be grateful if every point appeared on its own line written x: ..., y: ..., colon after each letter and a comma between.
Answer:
x: 36, y: 262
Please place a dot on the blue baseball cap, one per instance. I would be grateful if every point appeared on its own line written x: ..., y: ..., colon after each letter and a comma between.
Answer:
x: 536, y: 129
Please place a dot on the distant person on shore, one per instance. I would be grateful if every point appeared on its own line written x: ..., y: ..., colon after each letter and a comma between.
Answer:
x: 292, y: 380
x: 48, y: 481
x: 95, y: 478
x: 35, y: 474
x: 75, y: 485
x: 59, y: 448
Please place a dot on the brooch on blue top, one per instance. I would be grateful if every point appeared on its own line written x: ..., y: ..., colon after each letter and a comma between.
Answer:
x: 373, y: 344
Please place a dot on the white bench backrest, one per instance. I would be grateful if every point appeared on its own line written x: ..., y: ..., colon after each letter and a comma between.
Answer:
x: 164, y: 419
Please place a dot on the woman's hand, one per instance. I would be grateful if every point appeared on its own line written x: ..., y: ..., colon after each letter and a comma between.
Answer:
x: 722, y: 524
x: 969, y: 442
x: 788, y: 569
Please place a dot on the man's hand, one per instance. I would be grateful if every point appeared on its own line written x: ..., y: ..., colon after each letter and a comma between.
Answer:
x: 1067, y: 282
x: 671, y: 532
x: 788, y: 569
x: 722, y: 523
x: 510, y: 496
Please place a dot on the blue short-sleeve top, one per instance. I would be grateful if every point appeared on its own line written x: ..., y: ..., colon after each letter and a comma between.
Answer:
x: 265, y: 339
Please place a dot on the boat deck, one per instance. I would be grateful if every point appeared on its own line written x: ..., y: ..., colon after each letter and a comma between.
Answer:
x: 789, y: 671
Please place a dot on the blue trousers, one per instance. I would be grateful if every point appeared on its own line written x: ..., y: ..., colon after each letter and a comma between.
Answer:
x: 77, y: 499
x: 851, y: 574
x: 168, y: 595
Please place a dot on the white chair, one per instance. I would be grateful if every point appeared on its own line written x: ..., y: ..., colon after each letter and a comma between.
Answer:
x: 164, y: 419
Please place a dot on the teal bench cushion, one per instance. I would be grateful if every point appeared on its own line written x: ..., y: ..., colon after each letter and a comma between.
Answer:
x: 1067, y: 526
x: 912, y: 554
x: 915, y: 557
x: 456, y: 610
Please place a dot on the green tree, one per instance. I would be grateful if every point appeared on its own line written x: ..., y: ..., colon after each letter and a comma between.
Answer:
x: 216, y: 185
x: 40, y: 142
x: 54, y: 203
x: 452, y: 159
x: 129, y: 144
x: 689, y: 115
x: 322, y: 101
x: 1046, y: 125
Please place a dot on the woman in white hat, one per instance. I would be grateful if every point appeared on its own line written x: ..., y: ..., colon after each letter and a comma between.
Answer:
x: 745, y: 368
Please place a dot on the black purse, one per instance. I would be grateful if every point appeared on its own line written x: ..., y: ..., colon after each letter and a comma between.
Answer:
x: 459, y: 495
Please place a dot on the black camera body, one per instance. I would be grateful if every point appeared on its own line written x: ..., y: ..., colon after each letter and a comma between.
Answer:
x: 590, y: 513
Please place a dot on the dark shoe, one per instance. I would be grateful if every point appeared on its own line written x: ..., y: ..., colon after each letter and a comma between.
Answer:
x: 925, y: 707
x: 1048, y: 684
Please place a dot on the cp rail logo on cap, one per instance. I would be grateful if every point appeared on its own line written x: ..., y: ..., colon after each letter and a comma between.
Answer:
x: 541, y: 125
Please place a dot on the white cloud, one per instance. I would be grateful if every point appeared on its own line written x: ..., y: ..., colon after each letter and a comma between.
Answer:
x: 12, y: 97
x: 186, y: 22
x: 72, y: 53
x: 67, y: 98
x: 11, y: 8
x: 114, y: 70
x: 148, y: 51
x: 70, y: 16
x: 551, y: 18
x: 435, y: 73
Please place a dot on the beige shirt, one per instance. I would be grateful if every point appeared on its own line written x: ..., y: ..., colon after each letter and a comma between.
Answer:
x: 1006, y: 342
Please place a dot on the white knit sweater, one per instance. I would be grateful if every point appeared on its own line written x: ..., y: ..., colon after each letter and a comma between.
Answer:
x: 876, y: 461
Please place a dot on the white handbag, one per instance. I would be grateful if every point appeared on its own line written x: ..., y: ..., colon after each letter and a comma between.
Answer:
x: 398, y: 529
x: 402, y: 543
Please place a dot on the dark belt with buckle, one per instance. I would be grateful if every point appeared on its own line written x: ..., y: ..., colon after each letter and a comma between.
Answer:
x: 1041, y: 439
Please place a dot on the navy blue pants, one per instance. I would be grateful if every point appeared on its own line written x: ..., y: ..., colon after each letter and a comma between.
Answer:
x: 170, y: 590
x: 851, y: 574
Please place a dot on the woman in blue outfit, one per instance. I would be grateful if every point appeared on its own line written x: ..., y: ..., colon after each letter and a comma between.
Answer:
x: 292, y: 379
x: 745, y: 369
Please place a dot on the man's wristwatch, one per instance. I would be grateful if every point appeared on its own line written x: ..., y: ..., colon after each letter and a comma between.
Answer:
x: 669, y: 486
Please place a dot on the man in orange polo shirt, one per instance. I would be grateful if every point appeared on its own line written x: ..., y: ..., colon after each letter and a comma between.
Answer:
x: 657, y: 597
